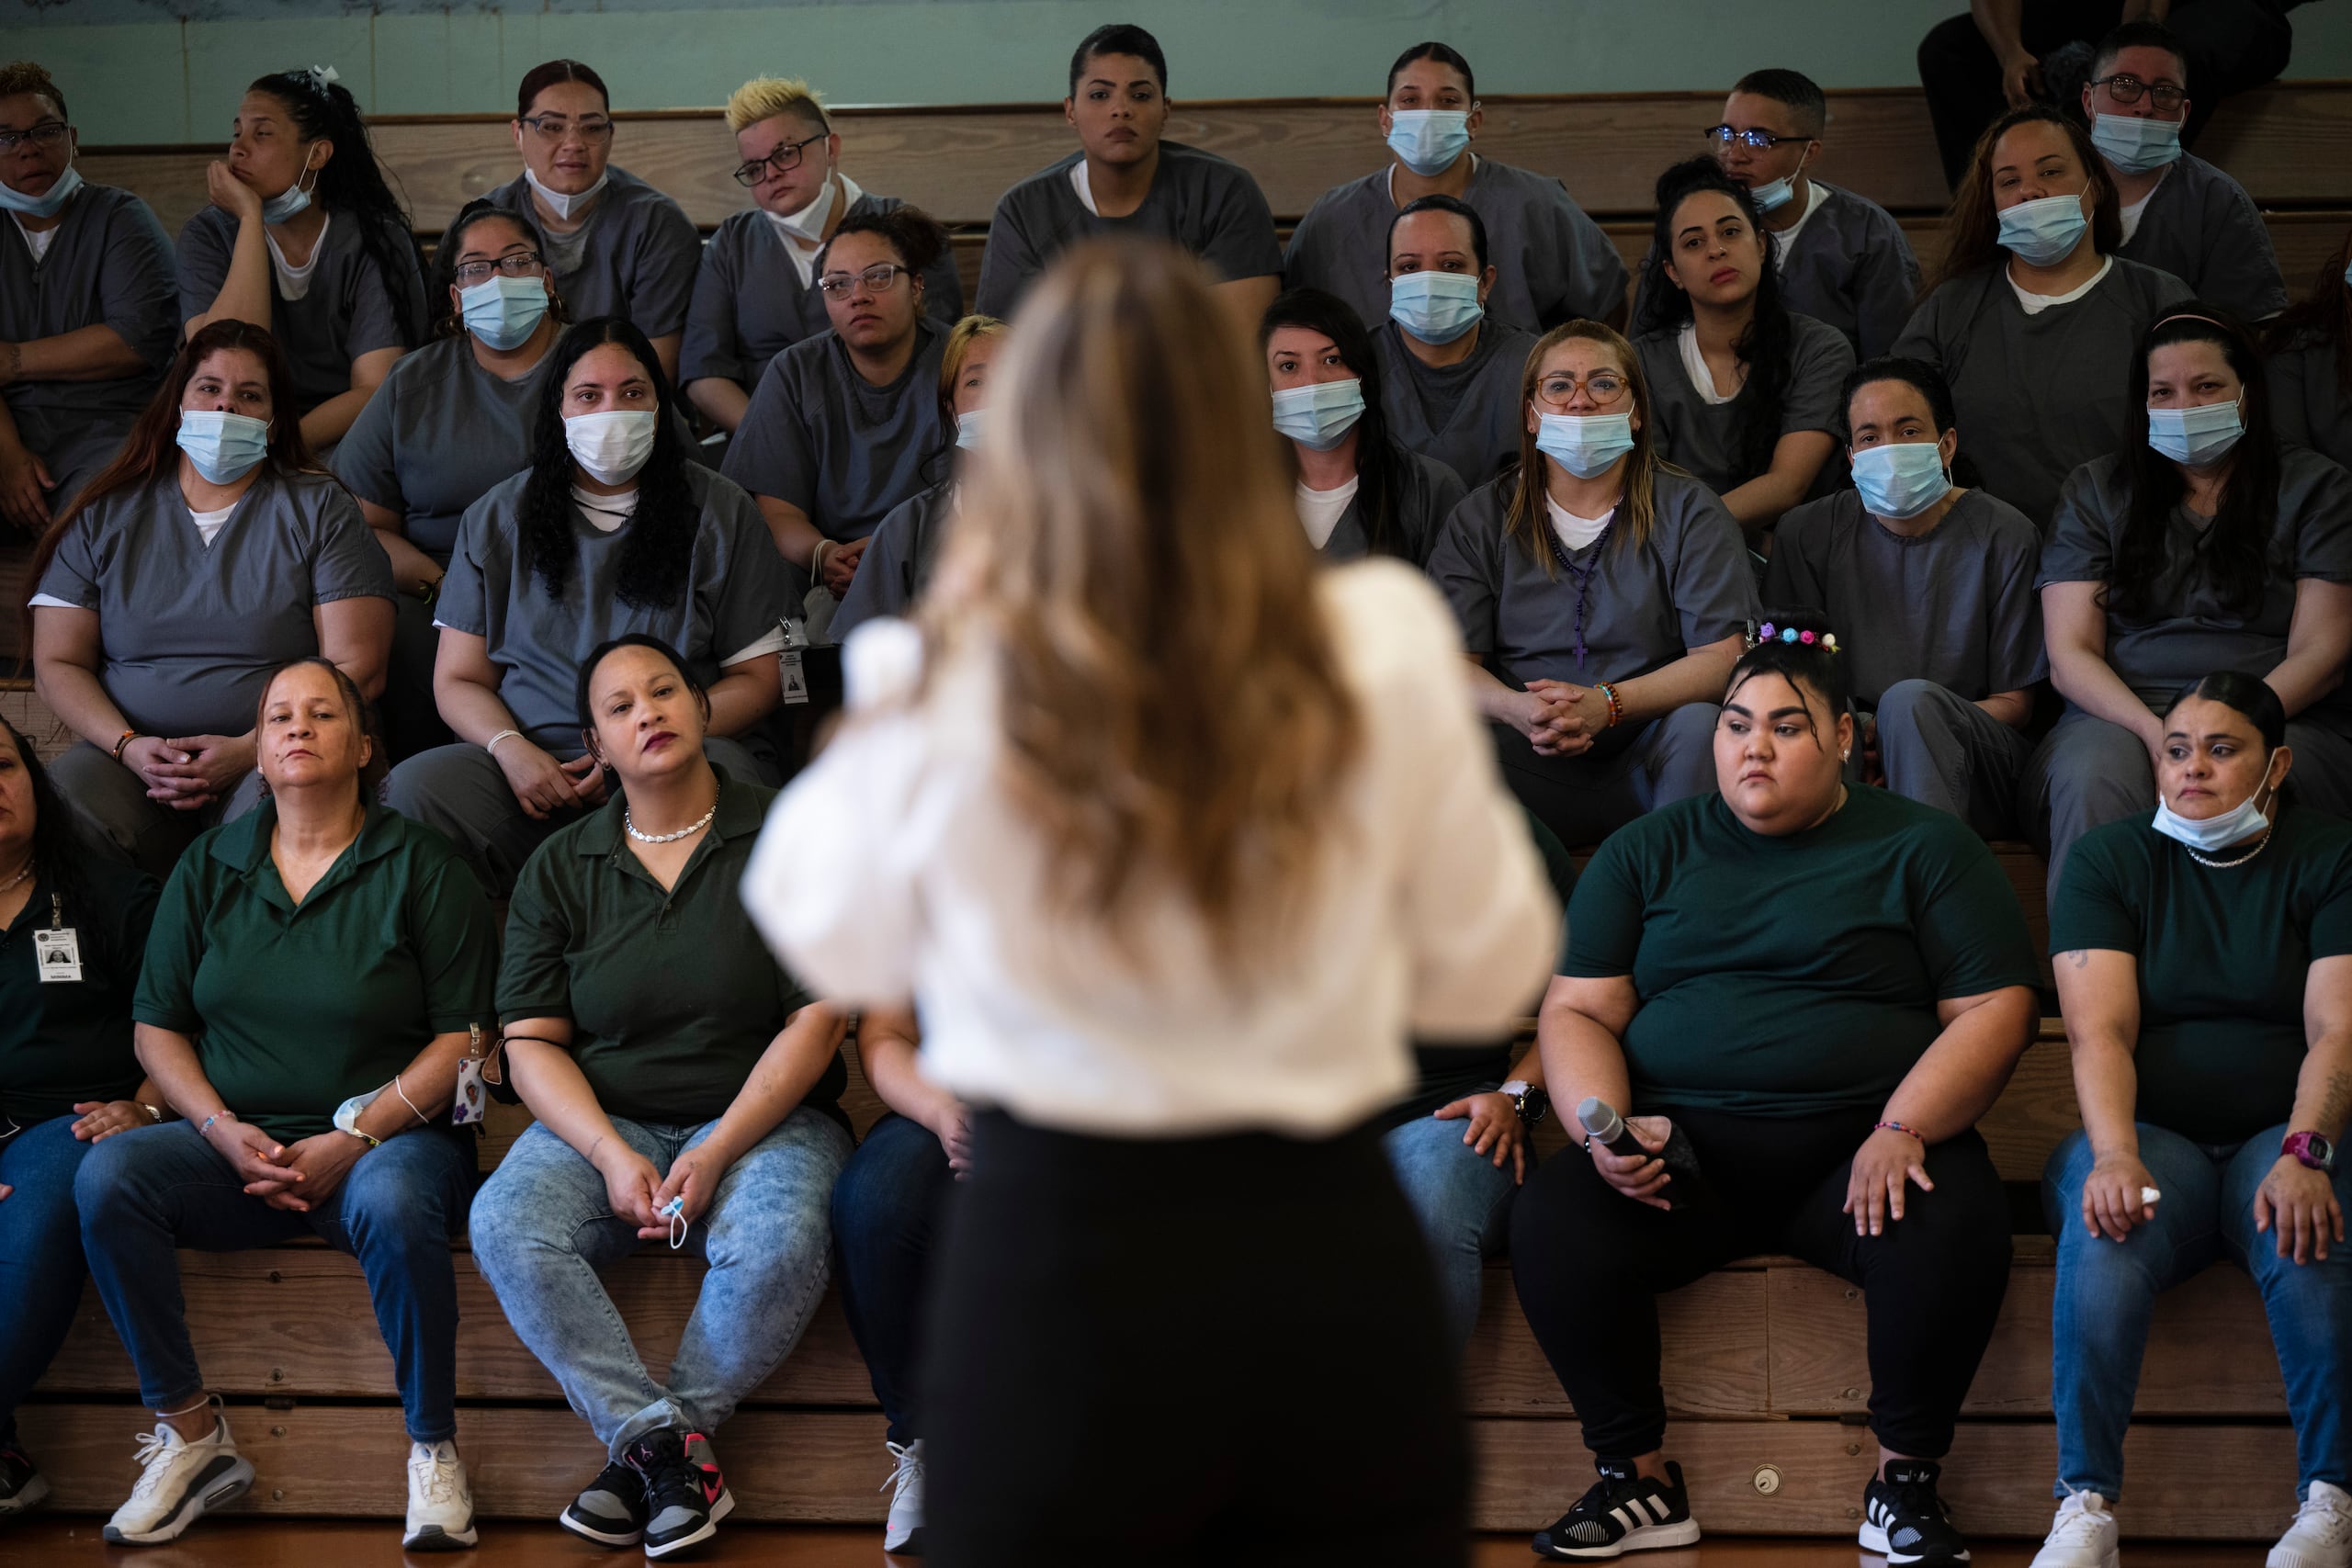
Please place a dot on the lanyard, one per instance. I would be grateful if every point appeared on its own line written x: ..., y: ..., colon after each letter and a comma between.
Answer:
x: 1581, y: 576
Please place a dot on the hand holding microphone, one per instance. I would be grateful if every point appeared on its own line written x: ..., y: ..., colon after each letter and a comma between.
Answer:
x: 1648, y: 1159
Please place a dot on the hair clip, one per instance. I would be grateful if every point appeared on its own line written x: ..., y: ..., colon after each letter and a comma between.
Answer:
x: 320, y: 76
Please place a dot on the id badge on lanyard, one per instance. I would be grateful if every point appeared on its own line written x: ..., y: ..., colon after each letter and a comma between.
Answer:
x: 57, y: 950
x: 796, y: 678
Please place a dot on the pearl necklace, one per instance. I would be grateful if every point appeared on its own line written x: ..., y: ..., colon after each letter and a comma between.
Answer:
x: 2225, y: 865
x: 23, y: 872
x: 688, y: 832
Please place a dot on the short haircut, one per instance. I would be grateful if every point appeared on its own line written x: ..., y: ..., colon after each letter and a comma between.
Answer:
x: 540, y: 77
x: 1916, y: 374
x: 26, y: 76
x: 910, y: 231
x: 2138, y: 35
x: 764, y: 97
x: 1444, y: 54
x: 1454, y: 205
x: 1795, y: 89
x: 1118, y: 38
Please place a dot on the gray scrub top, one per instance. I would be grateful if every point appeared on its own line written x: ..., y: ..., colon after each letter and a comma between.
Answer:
x: 1702, y: 438
x: 845, y: 452
x: 1551, y: 262
x: 438, y: 434
x: 749, y: 305
x: 736, y: 592
x: 191, y: 631
x: 1427, y: 496
x: 2200, y: 226
x: 2037, y: 397
x: 1466, y: 416
x: 349, y: 308
x: 635, y: 256
x: 2308, y: 398
x: 897, y: 565
x: 108, y: 264
x: 1686, y: 585
x: 1199, y: 201
x: 2194, y: 633
x: 1955, y: 607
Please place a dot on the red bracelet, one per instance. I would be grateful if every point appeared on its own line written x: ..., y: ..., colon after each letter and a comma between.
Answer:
x: 1899, y: 1128
x: 1616, y: 708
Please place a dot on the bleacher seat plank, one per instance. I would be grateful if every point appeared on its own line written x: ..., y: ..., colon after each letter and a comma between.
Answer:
x: 31, y: 716
x: 2036, y: 1109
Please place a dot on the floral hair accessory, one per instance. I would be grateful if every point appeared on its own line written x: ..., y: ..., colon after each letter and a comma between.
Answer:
x: 1804, y: 637
x: 1766, y: 632
x: 1788, y: 634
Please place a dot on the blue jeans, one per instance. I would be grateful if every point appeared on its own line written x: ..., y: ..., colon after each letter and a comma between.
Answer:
x: 41, y: 1255
x: 2106, y: 1292
x: 885, y: 1224
x: 1464, y: 1205
x: 145, y: 1194
x: 543, y: 1226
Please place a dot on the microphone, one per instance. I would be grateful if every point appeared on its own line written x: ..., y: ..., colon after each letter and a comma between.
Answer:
x: 1605, y: 1127
x: 1686, y: 1187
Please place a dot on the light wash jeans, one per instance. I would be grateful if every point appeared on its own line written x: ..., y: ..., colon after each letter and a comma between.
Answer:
x: 1464, y: 1205
x: 2106, y: 1292
x: 542, y: 1227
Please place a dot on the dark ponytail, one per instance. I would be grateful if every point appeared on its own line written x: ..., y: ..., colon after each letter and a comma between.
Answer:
x: 353, y: 184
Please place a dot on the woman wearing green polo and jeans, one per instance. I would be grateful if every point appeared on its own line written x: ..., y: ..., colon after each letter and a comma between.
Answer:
x: 685, y: 1088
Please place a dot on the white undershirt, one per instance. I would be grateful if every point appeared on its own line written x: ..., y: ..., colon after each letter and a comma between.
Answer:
x: 2034, y: 304
x: 1813, y: 196
x: 293, y: 282
x: 608, y: 513
x: 1694, y: 364
x: 207, y: 527
x: 1078, y: 183
x: 1575, y: 532
x: 38, y: 240
x: 2131, y: 214
x: 804, y: 262
x: 1320, y: 510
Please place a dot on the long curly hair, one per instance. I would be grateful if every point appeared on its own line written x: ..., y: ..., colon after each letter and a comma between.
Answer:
x: 353, y: 184
x: 1380, y: 462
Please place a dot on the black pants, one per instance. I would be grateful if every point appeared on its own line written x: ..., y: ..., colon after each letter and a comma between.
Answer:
x: 1590, y: 1262
x: 1213, y: 1350
x: 2233, y: 45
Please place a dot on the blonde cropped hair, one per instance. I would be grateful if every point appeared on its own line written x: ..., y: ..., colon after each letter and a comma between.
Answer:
x: 764, y: 98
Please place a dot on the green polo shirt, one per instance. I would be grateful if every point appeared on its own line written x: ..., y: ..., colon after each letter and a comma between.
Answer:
x: 671, y: 996
x: 69, y: 1040
x: 296, y: 1009
x: 1793, y: 976
x: 2223, y: 954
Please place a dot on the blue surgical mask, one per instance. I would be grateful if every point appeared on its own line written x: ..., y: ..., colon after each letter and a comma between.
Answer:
x: 1773, y: 196
x: 2135, y: 145
x: 1435, y: 306
x: 1902, y: 478
x: 2043, y: 233
x: 47, y: 206
x: 504, y: 311
x: 1584, y: 444
x: 2196, y: 436
x: 224, y: 447
x: 292, y: 201
x: 2212, y: 833
x: 1428, y: 140
x: 967, y: 429
x: 1320, y: 415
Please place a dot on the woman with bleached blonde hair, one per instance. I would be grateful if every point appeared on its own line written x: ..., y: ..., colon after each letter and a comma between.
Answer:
x: 1173, y: 839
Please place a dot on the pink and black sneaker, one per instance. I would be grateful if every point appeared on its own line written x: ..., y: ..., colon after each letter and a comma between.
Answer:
x: 685, y: 1494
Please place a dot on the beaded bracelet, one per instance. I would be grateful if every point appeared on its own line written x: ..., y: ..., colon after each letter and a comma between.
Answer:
x: 1616, y: 708
x: 1899, y: 1128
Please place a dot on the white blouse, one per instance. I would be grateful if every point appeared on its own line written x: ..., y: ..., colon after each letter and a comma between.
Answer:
x: 897, y: 867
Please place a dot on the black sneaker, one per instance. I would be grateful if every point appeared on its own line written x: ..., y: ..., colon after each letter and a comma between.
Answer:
x: 1623, y: 1512
x: 23, y: 1488
x: 1904, y: 1517
x: 610, y: 1510
x: 685, y: 1494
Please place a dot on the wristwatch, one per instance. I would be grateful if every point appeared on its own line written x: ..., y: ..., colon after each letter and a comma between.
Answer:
x: 2310, y: 1149
x: 1533, y: 1102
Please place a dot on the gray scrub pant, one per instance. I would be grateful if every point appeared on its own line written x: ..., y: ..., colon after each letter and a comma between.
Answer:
x: 460, y: 790
x: 1584, y: 800
x: 411, y: 716
x: 112, y: 803
x: 72, y: 456
x: 2087, y: 773
x: 1940, y: 750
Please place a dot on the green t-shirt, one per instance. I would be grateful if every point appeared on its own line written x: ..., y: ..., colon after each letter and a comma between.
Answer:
x: 671, y: 997
x: 68, y: 1040
x: 1789, y: 976
x: 295, y: 1009
x: 2222, y: 955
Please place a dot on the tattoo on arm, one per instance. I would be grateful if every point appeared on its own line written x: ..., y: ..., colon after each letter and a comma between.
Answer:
x: 2337, y: 1101
x: 2080, y: 957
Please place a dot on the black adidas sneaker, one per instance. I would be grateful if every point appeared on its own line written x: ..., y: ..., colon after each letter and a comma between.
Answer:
x: 1623, y: 1512
x: 1903, y: 1516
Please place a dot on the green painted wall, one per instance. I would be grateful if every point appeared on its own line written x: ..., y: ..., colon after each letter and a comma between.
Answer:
x: 170, y: 82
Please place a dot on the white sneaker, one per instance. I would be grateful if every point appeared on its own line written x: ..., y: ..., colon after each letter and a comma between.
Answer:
x: 903, y: 1534
x: 2321, y: 1536
x: 178, y: 1483
x: 440, y: 1504
x: 2082, y: 1536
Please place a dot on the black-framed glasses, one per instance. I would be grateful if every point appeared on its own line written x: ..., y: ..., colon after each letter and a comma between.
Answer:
x: 783, y: 160
x: 517, y: 263
x: 2128, y: 89
x: 1723, y: 135
x: 877, y: 280
x: 48, y: 135
x: 556, y: 127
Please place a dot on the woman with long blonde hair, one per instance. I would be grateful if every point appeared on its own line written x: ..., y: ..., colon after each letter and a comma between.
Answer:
x: 1173, y: 839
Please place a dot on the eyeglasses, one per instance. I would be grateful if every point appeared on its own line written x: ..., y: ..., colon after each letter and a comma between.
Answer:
x: 1601, y: 387
x: 783, y: 160
x: 555, y: 127
x: 877, y: 280
x: 2127, y: 90
x: 48, y: 135
x: 519, y: 263
x: 1725, y: 135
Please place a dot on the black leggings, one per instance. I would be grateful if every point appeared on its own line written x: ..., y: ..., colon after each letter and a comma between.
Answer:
x: 1590, y: 1262
x: 1212, y: 1350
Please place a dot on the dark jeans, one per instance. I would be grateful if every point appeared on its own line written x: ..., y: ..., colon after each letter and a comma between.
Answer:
x: 147, y: 1194
x: 885, y: 1221
x: 1590, y: 1263
x: 41, y: 1255
x: 1223, y: 1349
